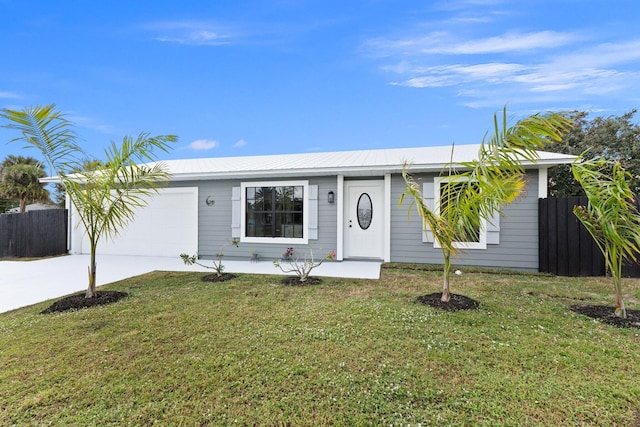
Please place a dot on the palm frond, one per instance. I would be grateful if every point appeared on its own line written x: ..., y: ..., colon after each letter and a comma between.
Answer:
x: 105, y: 194
x: 469, y: 198
x: 611, y: 214
x: 48, y: 131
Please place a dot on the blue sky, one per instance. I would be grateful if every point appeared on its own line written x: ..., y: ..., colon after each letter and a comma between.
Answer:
x: 235, y: 78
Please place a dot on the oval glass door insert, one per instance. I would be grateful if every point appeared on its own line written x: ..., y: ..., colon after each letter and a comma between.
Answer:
x: 365, y: 210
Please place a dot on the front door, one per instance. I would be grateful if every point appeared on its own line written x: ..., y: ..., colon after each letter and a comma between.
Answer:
x: 364, y: 219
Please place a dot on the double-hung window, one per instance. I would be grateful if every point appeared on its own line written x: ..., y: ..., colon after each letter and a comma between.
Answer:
x: 474, y: 239
x: 275, y: 212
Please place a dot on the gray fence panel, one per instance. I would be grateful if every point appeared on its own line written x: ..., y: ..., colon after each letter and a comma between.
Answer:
x: 34, y: 234
x: 565, y: 246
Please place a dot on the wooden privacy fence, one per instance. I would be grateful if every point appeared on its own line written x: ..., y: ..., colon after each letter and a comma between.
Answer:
x: 565, y: 246
x: 33, y: 234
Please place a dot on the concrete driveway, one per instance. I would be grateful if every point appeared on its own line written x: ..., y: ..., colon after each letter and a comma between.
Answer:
x: 24, y: 283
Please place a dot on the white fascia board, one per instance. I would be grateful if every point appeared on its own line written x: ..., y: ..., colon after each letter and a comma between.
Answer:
x: 283, y: 173
x: 49, y: 180
x: 554, y: 162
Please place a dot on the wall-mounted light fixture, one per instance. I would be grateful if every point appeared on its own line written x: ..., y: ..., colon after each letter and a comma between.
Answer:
x: 331, y: 197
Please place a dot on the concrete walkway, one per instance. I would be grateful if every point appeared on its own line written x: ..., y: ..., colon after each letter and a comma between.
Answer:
x: 24, y: 283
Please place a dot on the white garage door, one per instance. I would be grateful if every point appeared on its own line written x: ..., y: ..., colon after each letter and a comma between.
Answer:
x: 168, y: 226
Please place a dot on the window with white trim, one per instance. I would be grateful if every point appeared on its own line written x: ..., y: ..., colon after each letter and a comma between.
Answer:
x: 275, y: 212
x: 477, y: 239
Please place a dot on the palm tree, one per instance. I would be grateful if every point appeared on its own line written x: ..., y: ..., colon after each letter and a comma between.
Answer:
x: 611, y: 216
x: 485, y: 185
x: 20, y: 180
x: 106, y: 198
x: 12, y: 160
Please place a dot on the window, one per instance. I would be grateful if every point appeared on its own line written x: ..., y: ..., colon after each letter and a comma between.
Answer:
x: 477, y: 239
x: 364, y: 211
x: 275, y: 212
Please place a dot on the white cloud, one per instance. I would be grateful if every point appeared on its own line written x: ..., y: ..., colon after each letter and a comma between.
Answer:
x: 445, y: 43
x: 510, y: 42
x: 492, y: 71
x: 560, y: 72
x: 521, y: 79
x: 91, y: 123
x: 486, y: 53
x: 464, y: 4
x: 190, y: 33
x: 602, y: 55
x: 456, y: 74
x: 240, y: 143
x: 203, y: 144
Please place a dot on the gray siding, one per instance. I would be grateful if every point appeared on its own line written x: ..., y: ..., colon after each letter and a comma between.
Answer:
x: 214, y: 222
x: 518, y: 248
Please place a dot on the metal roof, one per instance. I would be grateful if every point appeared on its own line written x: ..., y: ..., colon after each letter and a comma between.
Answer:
x: 347, y: 163
x: 361, y: 163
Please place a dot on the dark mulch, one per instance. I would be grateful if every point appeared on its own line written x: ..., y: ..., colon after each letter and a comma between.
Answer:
x: 77, y: 301
x: 607, y: 315
x: 455, y: 303
x: 295, y: 281
x: 221, y: 278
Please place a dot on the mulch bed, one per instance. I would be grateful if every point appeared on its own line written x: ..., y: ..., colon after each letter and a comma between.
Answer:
x: 221, y: 278
x: 607, y: 315
x: 455, y: 303
x: 77, y: 301
x: 295, y: 281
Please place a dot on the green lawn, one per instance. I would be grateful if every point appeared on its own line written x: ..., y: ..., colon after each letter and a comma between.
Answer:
x: 250, y: 351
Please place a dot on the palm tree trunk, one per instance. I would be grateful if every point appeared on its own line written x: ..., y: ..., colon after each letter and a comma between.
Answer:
x: 621, y: 311
x: 23, y: 204
x: 91, y: 290
x: 446, y: 296
x: 616, y: 275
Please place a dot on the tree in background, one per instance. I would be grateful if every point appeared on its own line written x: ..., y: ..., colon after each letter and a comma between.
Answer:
x: 615, y: 138
x: 12, y: 160
x: 106, y: 198
x: 20, y: 180
x: 611, y: 216
x: 6, y: 205
x: 484, y: 185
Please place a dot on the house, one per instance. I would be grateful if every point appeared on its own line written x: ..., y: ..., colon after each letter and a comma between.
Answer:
x: 34, y: 207
x: 344, y: 201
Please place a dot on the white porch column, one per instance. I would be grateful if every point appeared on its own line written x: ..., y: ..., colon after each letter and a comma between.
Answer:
x: 387, y: 217
x: 340, y: 218
x: 543, y: 184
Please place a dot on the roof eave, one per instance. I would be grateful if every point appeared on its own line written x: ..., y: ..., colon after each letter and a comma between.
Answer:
x: 351, y: 171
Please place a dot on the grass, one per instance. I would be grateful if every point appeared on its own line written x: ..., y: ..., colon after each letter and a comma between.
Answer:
x: 250, y: 351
